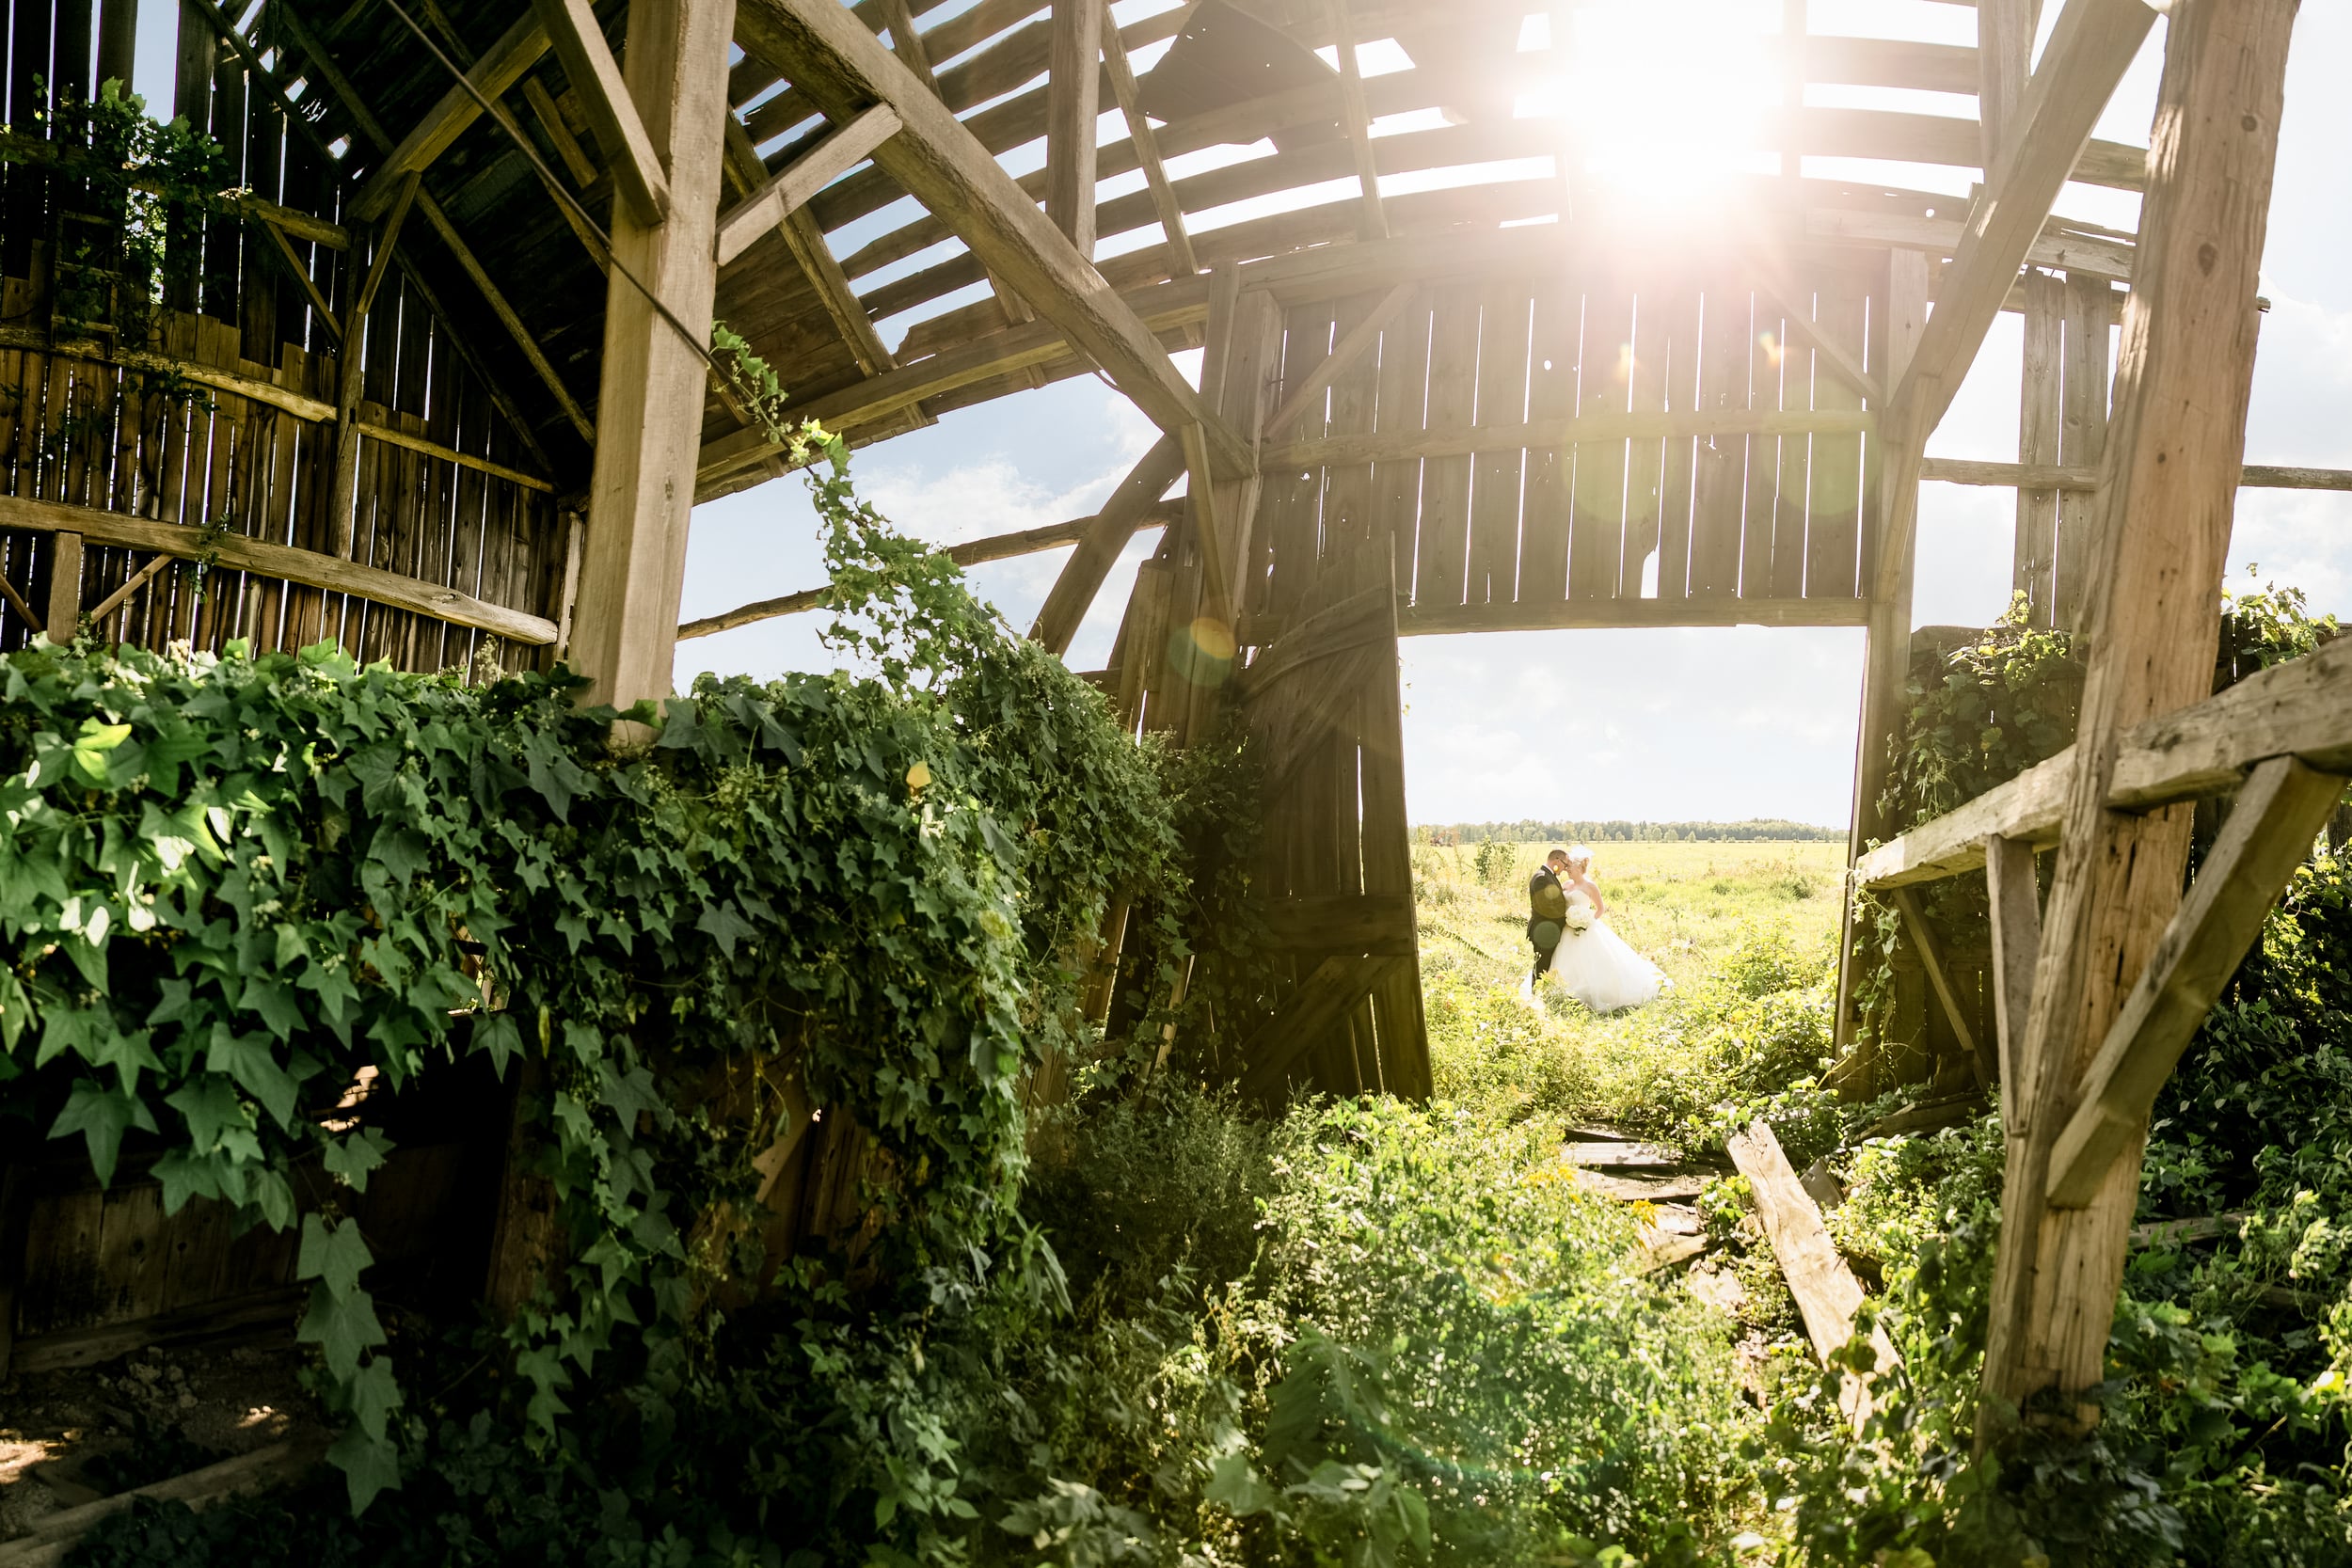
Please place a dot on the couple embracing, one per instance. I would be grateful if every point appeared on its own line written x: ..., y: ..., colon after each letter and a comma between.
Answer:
x: 1573, y: 948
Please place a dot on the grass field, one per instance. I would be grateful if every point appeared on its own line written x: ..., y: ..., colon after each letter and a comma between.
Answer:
x: 1700, y: 911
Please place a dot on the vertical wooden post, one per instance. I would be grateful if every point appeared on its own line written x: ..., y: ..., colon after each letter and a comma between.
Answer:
x: 2034, y: 566
x: 2152, y: 623
x: 649, y: 411
x: 117, y: 41
x: 2083, y: 433
x: 1886, y: 646
x: 1073, y: 86
x: 350, y: 370
x: 2004, y: 63
x: 65, y: 588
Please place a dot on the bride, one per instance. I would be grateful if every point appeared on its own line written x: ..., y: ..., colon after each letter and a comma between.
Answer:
x: 1592, y: 962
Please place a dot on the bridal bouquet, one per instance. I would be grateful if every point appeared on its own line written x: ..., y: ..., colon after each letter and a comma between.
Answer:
x: 1580, y: 918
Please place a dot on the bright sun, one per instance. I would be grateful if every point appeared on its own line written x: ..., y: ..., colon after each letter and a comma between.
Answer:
x: 1665, y: 101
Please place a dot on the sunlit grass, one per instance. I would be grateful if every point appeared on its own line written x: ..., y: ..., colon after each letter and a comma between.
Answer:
x: 1691, y: 908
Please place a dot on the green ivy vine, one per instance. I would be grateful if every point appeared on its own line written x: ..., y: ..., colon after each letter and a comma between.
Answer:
x: 228, y: 887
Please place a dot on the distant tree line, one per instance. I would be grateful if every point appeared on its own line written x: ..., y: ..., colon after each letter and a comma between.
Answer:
x: 1752, y: 831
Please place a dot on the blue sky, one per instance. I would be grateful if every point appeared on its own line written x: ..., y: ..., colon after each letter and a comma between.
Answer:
x: 1658, y: 725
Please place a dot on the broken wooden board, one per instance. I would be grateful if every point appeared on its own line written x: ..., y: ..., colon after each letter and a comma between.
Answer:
x: 54, y: 1535
x: 1641, y: 1189
x: 1828, y: 1294
x: 1633, y: 1154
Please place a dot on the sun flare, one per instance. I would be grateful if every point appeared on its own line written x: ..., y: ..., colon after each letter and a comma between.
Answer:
x: 1665, y: 101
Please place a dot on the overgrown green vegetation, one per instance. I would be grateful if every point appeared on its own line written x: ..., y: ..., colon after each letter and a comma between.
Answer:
x: 1753, y: 830
x: 1149, y: 1323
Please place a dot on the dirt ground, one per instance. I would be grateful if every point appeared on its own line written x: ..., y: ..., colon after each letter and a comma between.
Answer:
x: 70, y: 1437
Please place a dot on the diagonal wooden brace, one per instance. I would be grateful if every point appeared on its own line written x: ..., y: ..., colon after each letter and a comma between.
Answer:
x: 2266, y: 836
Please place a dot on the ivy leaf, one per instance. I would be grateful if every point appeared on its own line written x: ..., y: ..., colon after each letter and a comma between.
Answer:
x: 354, y: 1155
x: 496, y: 1033
x: 276, y: 1005
x: 374, y: 1395
x: 91, y: 746
x: 211, y: 1107
x: 101, y: 1114
x: 335, y: 1257
x: 370, y: 1466
x: 247, y: 1058
x: 720, y: 922
x: 403, y: 852
x: 342, y: 1327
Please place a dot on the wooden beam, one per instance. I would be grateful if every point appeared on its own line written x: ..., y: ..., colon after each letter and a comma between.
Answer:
x: 322, y: 60
x: 238, y: 553
x: 2095, y: 44
x: 1340, y: 451
x: 1334, y: 986
x: 975, y: 552
x: 844, y: 68
x: 1931, y: 960
x: 2054, y: 476
x: 494, y: 75
x: 815, y: 258
x: 1444, y: 621
x: 649, y: 414
x: 342, y: 498
x: 98, y: 613
x: 1796, y: 312
x: 2152, y: 624
x: 1073, y: 111
x: 2015, y: 905
x: 64, y: 616
x: 787, y: 193
x: 1374, y: 223
x: 300, y: 272
x: 1137, y: 499
x: 1181, y: 261
x: 1828, y: 1296
x: 543, y: 108
x: 2005, y: 31
x: 2268, y: 834
x: 1308, y: 394
x: 603, y: 96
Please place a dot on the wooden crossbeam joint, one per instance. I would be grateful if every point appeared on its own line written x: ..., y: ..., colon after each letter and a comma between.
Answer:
x: 604, y: 98
x: 2266, y: 835
x: 506, y: 63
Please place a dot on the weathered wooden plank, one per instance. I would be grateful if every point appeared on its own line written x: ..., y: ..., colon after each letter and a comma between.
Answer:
x: 1604, y: 395
x: 2034, y: 570
x: 1446, y: 620
x: 1404, y: 395
x: 2089, y: 314
x: 1557, y: 312
x: 1334, y: 985
x: 239, y: 553
x: 500, y: 67
x: 1827, y: 1293
x: 1611, y: 428
x: 1073, y: 110
x: 631, y: 154
x: 2015, y: 907
x: 1136, y: 498
x: 1496, y: 471
x: 1444, y: 546
x: 1719, y: 483
x: 1834, y: 505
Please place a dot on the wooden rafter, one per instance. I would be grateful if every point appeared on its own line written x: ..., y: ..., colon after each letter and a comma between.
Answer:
x: 1375, y: 221
x: 322, y: 60
x: 612, y: 117
x: 502, y: 65
x: 844, y: 68
x: 1181, y: 261
x: 787, y: 192
x: 1072, y: 108
x: 1131, y: 505
x: 2015, y: 905
x: 974, y: 552
x: 815, y: 258
x: 2095, y: 44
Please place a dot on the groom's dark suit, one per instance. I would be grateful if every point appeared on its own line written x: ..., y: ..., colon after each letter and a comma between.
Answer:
x: 1547, y: 903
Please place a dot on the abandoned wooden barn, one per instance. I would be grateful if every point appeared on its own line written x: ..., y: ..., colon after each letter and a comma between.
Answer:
x: 441, y: 391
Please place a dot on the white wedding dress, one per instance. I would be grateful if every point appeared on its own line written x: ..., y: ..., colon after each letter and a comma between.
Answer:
x: 1596, y: 967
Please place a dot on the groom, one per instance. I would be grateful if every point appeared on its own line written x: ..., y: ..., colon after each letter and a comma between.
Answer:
x: 1547, y: 913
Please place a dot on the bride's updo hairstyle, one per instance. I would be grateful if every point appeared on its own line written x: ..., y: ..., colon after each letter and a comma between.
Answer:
x: 1580, y: 856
